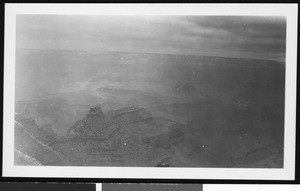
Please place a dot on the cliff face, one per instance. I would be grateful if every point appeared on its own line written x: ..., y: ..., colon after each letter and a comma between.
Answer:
x: 131, y: 136
x: 110, y: 139
x: 93, y: 124
x: 33, y: 144
x: 156, y: 110
x: 96, y: 123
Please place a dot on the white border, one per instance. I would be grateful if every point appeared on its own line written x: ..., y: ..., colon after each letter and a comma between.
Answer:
x: 250, y: 187
x: 290, y: 11
x: 98, y: 186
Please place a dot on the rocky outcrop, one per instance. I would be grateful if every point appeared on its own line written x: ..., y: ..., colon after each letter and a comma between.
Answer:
x: 129, y: 115
x: 32, y: 144
x: 158, y: 141
x: 174, y: 135
x: 93, y: 124
x: 131, y: 136
x: 24, y: 159
x: 98, y: 139
x: 96, y: 123
x: 177, y: 133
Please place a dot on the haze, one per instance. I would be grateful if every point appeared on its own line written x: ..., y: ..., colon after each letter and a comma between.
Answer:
x: 224, y: 36
x: 150, y: 91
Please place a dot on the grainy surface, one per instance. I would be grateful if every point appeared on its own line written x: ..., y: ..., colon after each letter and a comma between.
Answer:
x: 124, y: 107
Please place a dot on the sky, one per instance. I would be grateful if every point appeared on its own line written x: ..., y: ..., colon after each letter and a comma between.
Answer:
x: 225, y: 36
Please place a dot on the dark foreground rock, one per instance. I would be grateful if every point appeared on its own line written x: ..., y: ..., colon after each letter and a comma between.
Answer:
x: 131, y: 136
